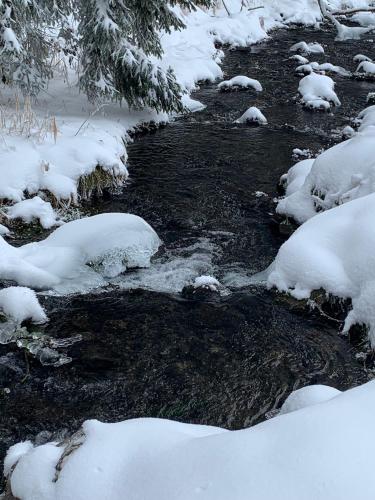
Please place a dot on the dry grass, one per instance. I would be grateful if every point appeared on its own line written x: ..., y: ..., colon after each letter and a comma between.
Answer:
x: 97, y: 182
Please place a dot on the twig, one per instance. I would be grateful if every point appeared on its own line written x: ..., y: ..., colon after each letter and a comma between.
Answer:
x: 93, y: 113
x: 351, y: 11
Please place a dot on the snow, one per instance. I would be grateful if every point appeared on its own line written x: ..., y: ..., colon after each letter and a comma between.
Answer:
x: 4, y: 231
x: 296, y: 176
x: 318, y: 92
x: 253, y: 115
x: 34, y: 208
x: 366, y: 67
x: 308, y: 396
x: 333, y: 251
x: 340, y: 174
x: 360, y: 58
x: 240, y: 82
x: 307, y: 48
x: 91, y: 248
x: 300, y: 59
x: 20, y: 303
x: 317, y: 452
x: 207, y: 282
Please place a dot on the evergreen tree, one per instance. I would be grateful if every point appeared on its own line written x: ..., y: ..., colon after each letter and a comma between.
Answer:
x: 118, y: 44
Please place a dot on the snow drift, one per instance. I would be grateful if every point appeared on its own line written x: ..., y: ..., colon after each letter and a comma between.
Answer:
x: 318, y: 449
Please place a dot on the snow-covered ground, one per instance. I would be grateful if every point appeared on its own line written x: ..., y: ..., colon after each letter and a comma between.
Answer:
x: 319, y: 448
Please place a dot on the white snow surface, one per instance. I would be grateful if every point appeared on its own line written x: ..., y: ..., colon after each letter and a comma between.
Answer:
x: 20, y: 303
x: 253, y: 115
x: 342, y: 173
x: 110, y: 243
x: 333, y: 251
x: 317, y: 452
x: 207, y: 282
x: 240, y: 82
x: 31, y: 209
x: 308, y: 396
x: 366, y: 67
x: 307, y: 48
x: 317, y: 91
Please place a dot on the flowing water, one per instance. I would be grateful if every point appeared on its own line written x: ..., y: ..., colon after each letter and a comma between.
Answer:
x: 139, y: 347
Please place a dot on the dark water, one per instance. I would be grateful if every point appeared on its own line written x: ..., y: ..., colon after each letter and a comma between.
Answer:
x: 224, y: 360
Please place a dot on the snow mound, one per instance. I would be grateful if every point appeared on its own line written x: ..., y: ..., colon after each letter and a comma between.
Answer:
x: 107, y: 243
x: 318, y: 92
x: 20, y: 303
x: 308, y: 396
x: 34, y: 208
x: 366, y: 68
x: 4, y: 231
x: 334, y: 251
x: 299, y: 58
x: 294, y: 179
x: 342, y: 173
x: 360, y: 58
x: 307, y: 48
x: 240, y: 82
x: 253, y: 115
x: 319, y: 452
x: 207, y: 282
x: 370, y: 99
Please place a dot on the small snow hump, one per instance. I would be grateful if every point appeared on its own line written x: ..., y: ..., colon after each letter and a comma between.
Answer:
x: 240, y: 82
x: 307, y: 48
x: 253, y: 116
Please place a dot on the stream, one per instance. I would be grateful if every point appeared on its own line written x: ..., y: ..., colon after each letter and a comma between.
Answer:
x: 146, y: 350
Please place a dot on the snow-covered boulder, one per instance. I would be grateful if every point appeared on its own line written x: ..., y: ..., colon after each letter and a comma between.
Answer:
x: 110, y: 243
x: 322, y: 68
x: 307, y: 48
x: 308, y: 396
x: 366, y: 69
x: 240, y: 82
x: 318, y: 452
x: 20, y: 303
x: 294, y: 179
x: 342, y: 173
x: 370, y: 98
x: 360, y: 58
x: 318, y: 92
x: 34, y: 208
x: 300, y: 59
x: 208, y: 282
x: 334, y: 251
x: 253, y: 116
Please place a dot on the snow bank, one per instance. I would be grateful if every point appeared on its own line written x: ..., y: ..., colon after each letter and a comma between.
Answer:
x: 34, y: 208
x: 108, y: 243
x: 318, y: 452
x: 20, y: 303
x: 308, y: 396
x: 243, y: 82
x: 342, y: 173
x: 294, y: 179
x: 307, y: 48
x: 334, y: 251
x: 253, y: 115
x: 318, y: 92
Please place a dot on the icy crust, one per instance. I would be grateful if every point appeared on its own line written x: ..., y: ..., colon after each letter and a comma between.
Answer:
x: 20, y: 303
x: 318, y: 92
x: 333, y: 251
x: 340, y: 174
x: 239, y: 82
x: 319, y: 451
x: 108, y: 243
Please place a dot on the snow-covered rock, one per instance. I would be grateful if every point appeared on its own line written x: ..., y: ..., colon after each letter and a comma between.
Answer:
x: 300, y: 59
x: 4, y: 231
x: 360, y: 58
x: 307, y: 48
x: 308, y: 396
x: 296, y: 176
x: 366, y: 68
x: 318, y: 452
x: 318, y: 92
x: 207, y: 282
x: 370, y: 99
x: 34, y: 208
x: 110, y: 243
x: 240, y: 82
x: 253, y: 115
x: 334, y: 251
x: 20, y: 303
x: 342, y: 173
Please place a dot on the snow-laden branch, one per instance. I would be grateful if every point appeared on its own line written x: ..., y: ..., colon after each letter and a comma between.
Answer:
x: 352, y: 11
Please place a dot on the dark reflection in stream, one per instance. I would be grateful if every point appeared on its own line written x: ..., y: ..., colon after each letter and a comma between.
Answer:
x: 226, y: 361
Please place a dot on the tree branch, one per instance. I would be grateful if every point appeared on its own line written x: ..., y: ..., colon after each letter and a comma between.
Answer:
x: 351, y: 11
